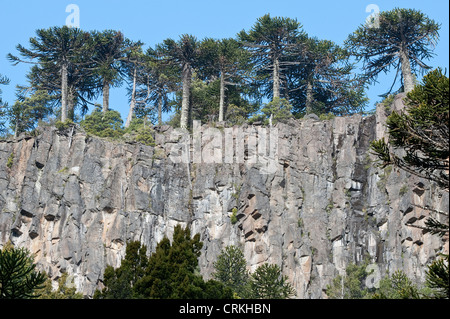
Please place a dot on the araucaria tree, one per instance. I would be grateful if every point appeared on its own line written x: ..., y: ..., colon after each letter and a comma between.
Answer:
x: 322, y: 81
x: 271, y: 41
x: 227, y: 60
x: 184, y: 54
x: 58, y: 47
x: 402, y: 39
x: 231, y: 270
x: 109, y: 49
x: 420, y: 133
x: 18, y: 276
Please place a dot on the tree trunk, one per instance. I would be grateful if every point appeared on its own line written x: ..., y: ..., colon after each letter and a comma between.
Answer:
x: 16, y: 128
x: 222, y: 98
x: 276, y: 78
x: 160, y: 104
x: 186, y: 95
x: 133, y: 102
x: 105, y: 96
x: 70, y: 103
x: 309, y: 98
x: 64, y: 91
x: 408, y: 79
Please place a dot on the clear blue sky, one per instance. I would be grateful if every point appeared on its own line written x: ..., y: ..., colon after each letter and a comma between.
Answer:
x: 153, y: 21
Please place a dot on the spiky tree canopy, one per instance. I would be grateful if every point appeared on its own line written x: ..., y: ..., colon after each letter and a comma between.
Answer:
x: 401, y: 40
x: 109, y: 48
x: 18, y: 276
x: 57, y: 48
x: 323, y: 80
x: 184, y: 55
x: 271, y: 41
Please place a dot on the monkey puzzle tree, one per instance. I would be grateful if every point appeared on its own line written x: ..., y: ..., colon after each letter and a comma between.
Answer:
x: 157, y: 81
x: 267, y: 282
x: 402, y: 40
x: 231, y: 270
x: 58, y: 48
x: 421, y: 134
x: 18, y: 276
x: 323, y: 80
x: 109, y: 49
x: 271, y: 41
x: 184, y: 55
x: 227, y: 60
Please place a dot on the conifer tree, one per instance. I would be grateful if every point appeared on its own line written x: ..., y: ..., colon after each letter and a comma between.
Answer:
x: 18, y: 276
x: 109, y: 49
x: 227, y: 61
x: 231, y: 270
x: 401, y: 40
x: 184, y: 55
x: 57, y: 48
x: 267, y: 282
x: 271, y: 41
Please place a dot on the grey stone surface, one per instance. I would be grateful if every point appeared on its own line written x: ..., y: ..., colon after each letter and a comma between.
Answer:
x: 74, y: 201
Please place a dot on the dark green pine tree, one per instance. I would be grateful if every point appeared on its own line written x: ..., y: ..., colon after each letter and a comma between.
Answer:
x: 57, y: 48
x: 18, y: 276
x: 155, y: 84
x: 119, y: 283
x: 172, y: 271
x: 400, y: 39
x: 226, y: 61
x: 421, y: 130
x: 438, y: 277
x: 419, y: 144
x: 26, y: 112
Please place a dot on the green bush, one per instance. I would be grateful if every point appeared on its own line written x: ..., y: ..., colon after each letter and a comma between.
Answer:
x: 140, y: 132
x: 61, y: 126
x: 108, y: 124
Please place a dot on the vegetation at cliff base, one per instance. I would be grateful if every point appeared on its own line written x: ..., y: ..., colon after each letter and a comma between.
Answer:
x: 18, y: 276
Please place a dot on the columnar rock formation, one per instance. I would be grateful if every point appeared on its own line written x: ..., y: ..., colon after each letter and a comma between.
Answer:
x: 75, y: 201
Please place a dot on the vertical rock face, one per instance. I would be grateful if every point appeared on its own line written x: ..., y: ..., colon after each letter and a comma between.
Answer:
x: 75, y: 201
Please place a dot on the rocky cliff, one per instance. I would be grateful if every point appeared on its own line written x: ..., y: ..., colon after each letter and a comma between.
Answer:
x: 75, y: 201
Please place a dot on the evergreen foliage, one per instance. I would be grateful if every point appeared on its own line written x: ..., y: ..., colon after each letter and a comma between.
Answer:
x: 64, y: 291
x: 267, y: 282
x: 400, y: 39
x: 351, y: 285
x: 171, y: 272
x: 231, y: 270
x: 438, y: 277
x: 56, y: 51
x: 18, y: 276
x: 421, y: 132
x: 103, y: 124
